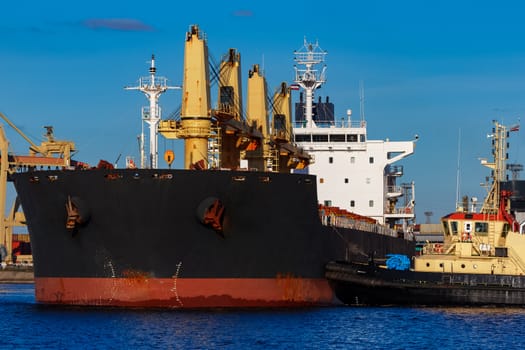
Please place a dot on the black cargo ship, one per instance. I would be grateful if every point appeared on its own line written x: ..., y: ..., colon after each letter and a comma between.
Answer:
x: 218, y: 233
x: 142, y: 238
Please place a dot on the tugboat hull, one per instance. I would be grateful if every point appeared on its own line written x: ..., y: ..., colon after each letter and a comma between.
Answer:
x: 358, y: 284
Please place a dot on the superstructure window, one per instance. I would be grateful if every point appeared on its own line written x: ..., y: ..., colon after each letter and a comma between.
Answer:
x: 352, y: 204
x: 481, y: 228
x: 328, y: 203
x: 346, y: 180
x: 454, y: 227
x: 330, y: 160
x: 303, y: 138
x: 371, y: 203
x: 351, y: 138
x: 320, y: 138
x: 362, y: 138
x: 445, y: 229
x: 352, y: 160
x: 371, y: 160
x: 337, y: 138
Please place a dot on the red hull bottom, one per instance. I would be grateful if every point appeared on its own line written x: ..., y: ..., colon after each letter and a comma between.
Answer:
x: 184, y: 293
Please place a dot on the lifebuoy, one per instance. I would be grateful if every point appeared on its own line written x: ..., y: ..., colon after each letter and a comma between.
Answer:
x: 438, y: 248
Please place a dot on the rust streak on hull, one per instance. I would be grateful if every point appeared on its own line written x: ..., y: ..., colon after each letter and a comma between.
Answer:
x: 184, y: 293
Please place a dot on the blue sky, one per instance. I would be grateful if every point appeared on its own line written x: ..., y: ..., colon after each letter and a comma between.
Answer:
x: 437, y: 69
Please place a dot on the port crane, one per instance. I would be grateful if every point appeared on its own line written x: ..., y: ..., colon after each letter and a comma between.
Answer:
x: 50, y: 153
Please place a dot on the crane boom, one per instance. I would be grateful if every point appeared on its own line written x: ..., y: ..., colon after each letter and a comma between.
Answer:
x: 34, y: 147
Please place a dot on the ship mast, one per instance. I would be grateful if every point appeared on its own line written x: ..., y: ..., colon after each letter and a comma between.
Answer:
x: 152, y: 87
x: 308, y: 77
x: 498, y: 166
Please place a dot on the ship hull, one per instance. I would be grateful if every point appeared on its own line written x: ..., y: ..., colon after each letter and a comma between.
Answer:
x: 358, y: 284
x: 143, y: 240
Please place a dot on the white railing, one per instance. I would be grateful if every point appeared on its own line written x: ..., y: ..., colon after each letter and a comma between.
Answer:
x: 158, y: 81
x: 401, y: 211
x: 394, y: 189
x: 333, y: 124
x: 344, y: 222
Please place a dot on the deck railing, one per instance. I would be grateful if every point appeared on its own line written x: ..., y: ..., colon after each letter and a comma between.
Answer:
x: 333, y: 124
x: 344, y: 222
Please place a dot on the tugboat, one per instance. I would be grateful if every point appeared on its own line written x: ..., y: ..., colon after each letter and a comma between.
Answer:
x: 481, y: 260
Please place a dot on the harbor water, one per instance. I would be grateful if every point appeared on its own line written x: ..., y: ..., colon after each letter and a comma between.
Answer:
x: 27, y: 325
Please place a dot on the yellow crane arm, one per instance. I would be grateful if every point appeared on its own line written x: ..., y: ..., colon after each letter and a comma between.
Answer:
x: 33, y: 147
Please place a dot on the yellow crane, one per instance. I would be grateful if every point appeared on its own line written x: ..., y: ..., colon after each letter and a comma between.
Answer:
x: 52, y: 152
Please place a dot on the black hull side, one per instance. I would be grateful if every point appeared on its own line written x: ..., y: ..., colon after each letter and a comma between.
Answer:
x: 141, y: 223
x: 146, y: 224
x: 359, y: 284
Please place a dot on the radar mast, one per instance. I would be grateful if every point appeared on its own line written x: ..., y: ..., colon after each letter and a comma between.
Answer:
x: 152, y: 87
x: 308, y: 75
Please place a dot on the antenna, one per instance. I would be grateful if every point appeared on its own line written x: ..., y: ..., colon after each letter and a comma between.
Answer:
x: 458, y: 168
x: 498, y: 167
x: 362, y: 100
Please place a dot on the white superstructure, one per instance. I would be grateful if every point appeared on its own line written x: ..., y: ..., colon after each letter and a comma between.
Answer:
x: 353, y: 173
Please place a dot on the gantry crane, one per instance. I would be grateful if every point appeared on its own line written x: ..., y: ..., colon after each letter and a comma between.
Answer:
x: 50, y: 153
